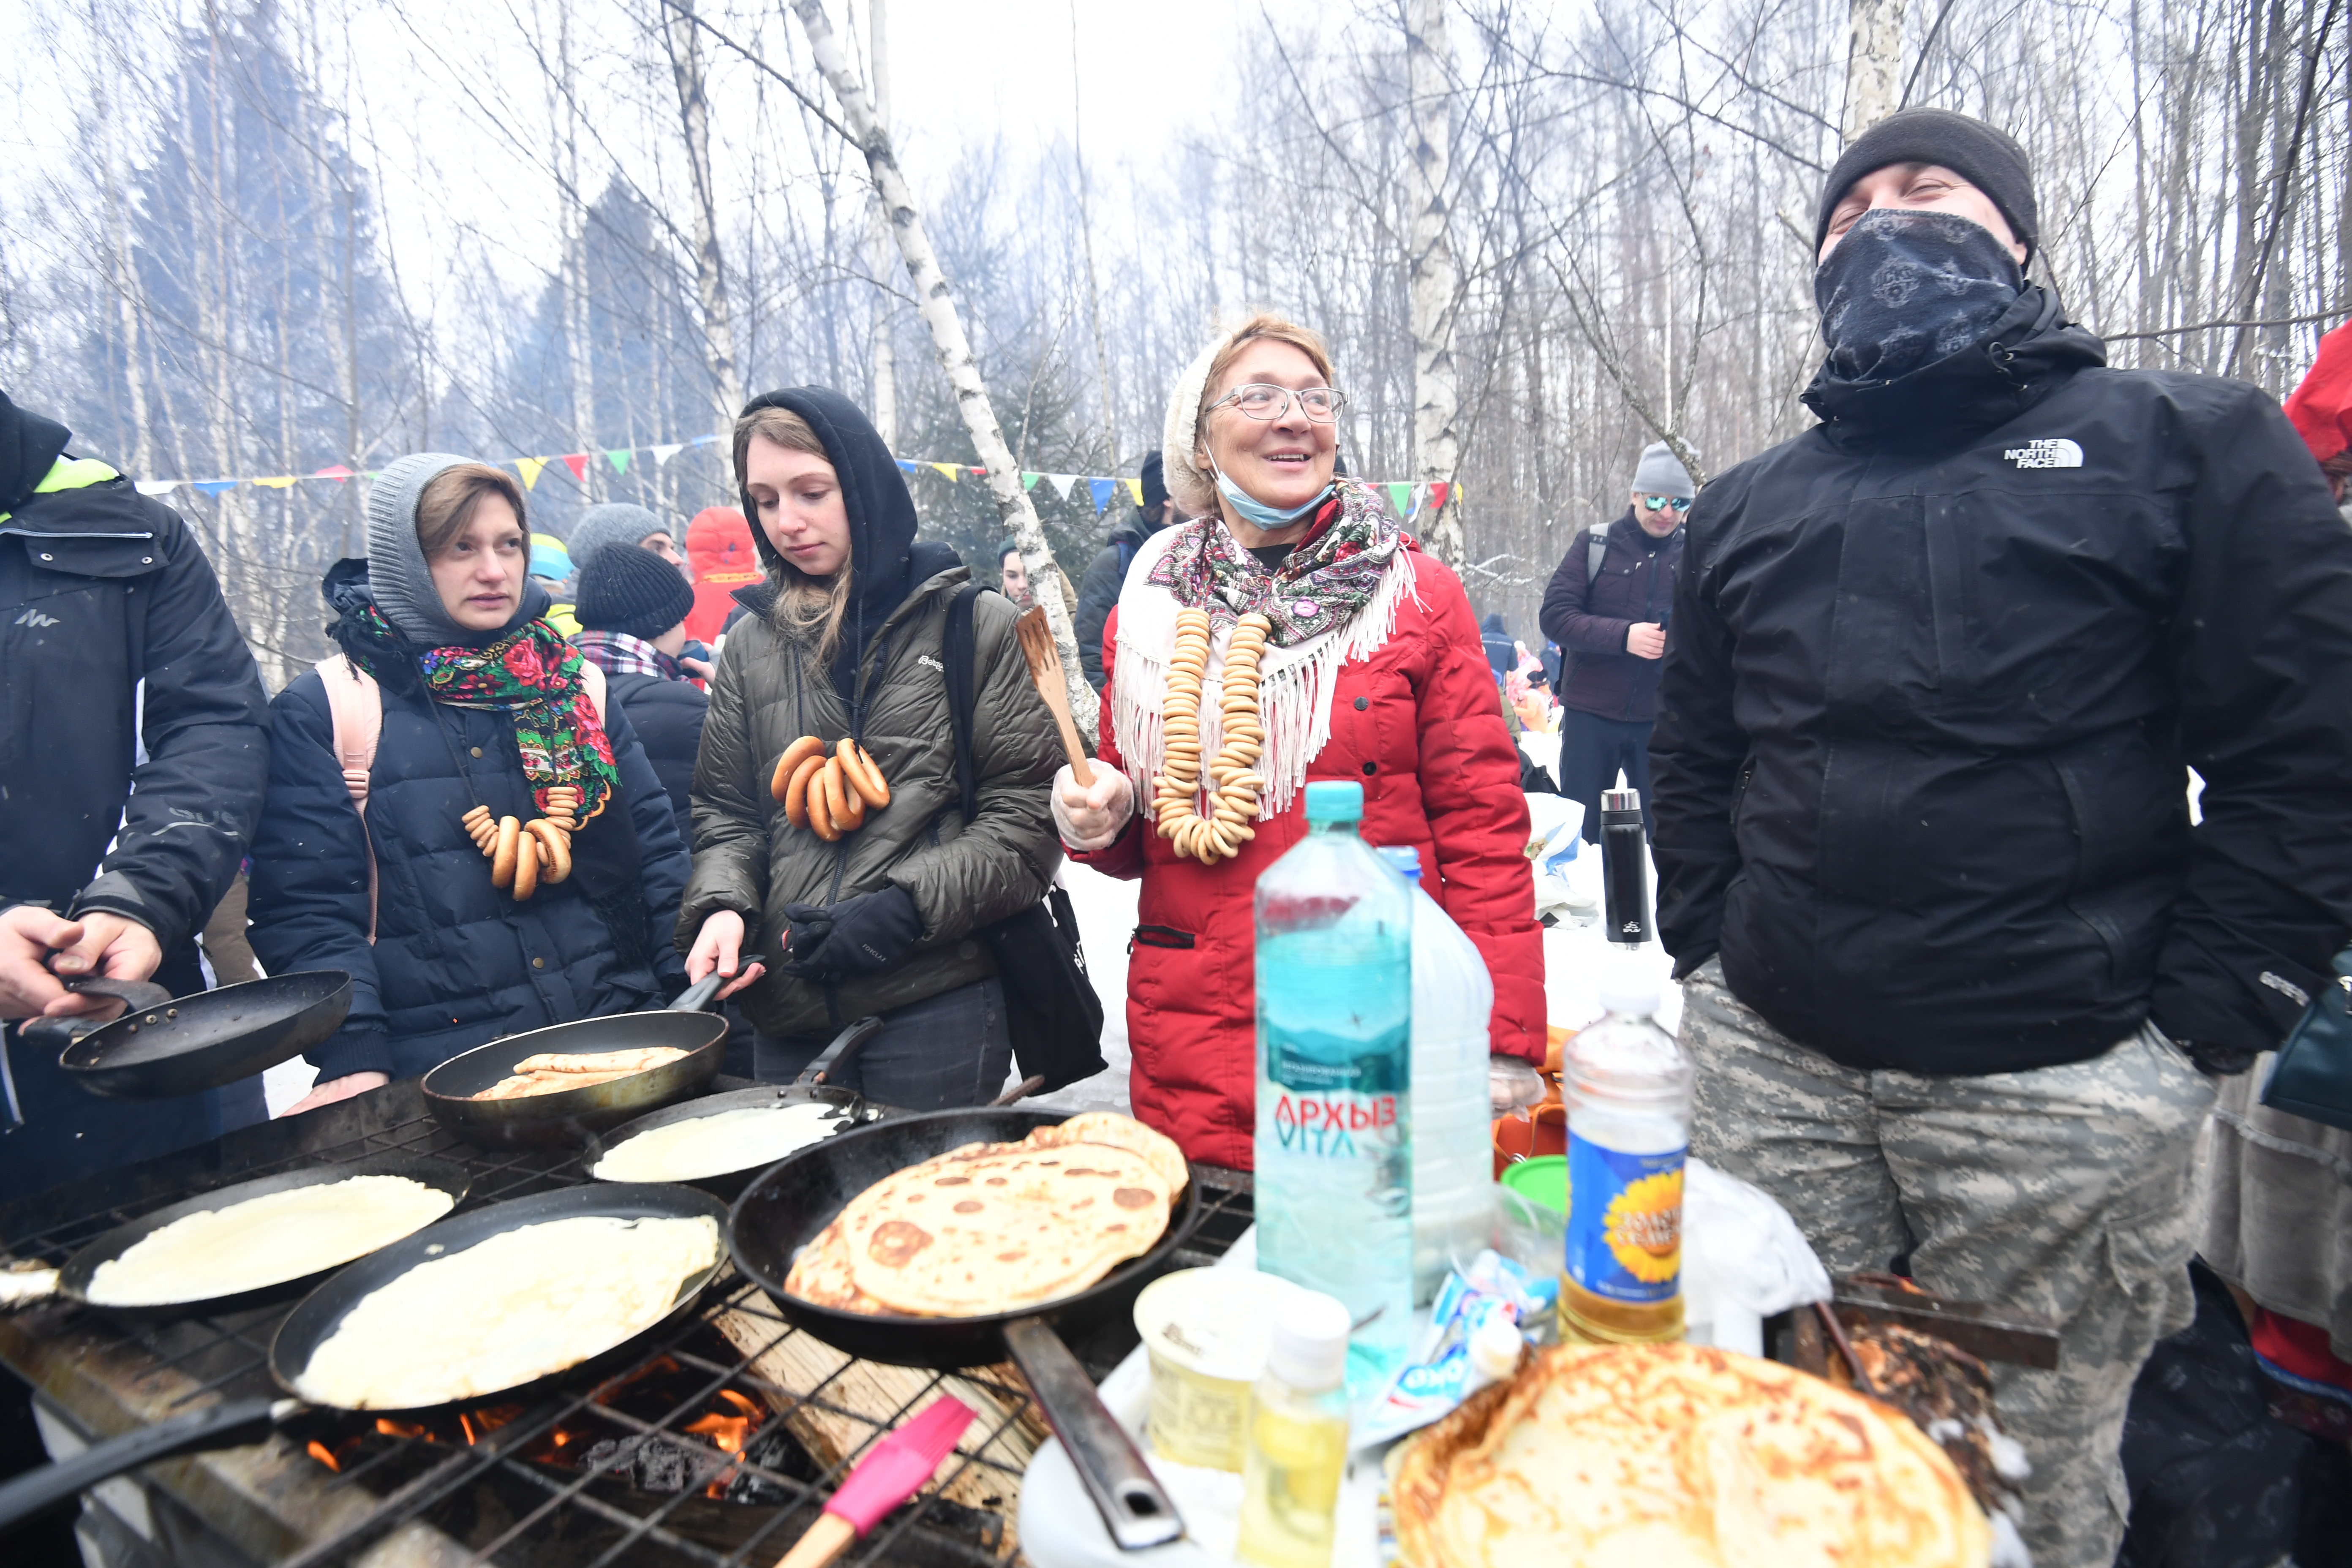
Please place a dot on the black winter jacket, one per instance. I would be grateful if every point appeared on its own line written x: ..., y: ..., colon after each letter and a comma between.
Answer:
x: 456, y: 963
x: 113, y: 637
x: 1589, y: 617
x: 1099, y: 590
x: 1937, y: 669
x: 668, y: 717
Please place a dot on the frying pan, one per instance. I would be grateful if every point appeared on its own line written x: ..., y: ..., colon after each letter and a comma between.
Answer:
x: 239, y: 1421
x: 570, y: 1115
x: 161, y: 1046
x: 792, y: 1201
x: 810, y: 1088
x: 74, y: 1278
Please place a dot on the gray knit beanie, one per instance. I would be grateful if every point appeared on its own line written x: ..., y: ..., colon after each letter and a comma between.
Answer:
x: 398, y: 578
x: 1661, y: 473
x: 613, y: 523
x: 1987, y: 157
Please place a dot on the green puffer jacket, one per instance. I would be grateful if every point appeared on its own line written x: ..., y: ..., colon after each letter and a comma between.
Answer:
x: 766, y: 694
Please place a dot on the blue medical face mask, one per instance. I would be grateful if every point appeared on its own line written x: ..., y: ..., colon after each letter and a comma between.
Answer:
x: 1255, y: 513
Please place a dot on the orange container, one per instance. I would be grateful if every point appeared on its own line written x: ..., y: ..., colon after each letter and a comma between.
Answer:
x: 1540, y: 1130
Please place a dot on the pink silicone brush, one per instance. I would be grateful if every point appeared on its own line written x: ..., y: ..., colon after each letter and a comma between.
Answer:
x: 895, y: 1471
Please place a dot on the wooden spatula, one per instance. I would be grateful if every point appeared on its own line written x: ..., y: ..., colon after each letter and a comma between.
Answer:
x: 1045, y: 670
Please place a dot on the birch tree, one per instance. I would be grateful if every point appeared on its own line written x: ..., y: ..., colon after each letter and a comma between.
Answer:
x: 1435, y: 280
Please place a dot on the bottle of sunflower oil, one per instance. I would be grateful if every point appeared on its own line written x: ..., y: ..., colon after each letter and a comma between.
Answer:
x: 1628, y: 1089
x: 1297, y: 1433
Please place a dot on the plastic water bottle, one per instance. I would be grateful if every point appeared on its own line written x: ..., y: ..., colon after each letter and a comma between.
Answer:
x: 1334, y: 1145
x: 1297, y: 1439
x: 1453, y: 1148
x: 1628, y: 1088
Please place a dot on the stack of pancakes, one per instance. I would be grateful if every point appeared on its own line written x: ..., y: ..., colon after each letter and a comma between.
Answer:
x: 1677, y: 1455
x: 998, y: 1228
x: 553, y: 1070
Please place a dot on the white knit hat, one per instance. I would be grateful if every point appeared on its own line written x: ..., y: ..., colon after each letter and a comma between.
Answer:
x: 1193, y: 491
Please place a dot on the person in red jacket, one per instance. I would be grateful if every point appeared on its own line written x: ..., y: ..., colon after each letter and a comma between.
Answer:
x: 1371, y: 671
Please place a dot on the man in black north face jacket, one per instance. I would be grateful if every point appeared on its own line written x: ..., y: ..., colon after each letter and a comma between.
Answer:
x: 1938, y: 672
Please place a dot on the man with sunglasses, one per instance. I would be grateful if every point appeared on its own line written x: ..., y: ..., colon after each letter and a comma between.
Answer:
x: 1607, y: 608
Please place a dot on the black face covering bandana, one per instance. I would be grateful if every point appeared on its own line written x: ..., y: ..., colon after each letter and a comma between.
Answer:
x: 1906, y: 289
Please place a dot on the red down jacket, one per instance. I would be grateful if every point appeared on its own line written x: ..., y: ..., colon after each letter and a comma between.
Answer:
x: 1419, y: 726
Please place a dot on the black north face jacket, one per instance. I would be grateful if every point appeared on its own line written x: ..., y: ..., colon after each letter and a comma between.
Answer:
x: 1937, y: 669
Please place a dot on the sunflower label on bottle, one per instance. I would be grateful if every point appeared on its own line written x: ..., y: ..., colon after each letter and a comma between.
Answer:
x: 1624, y: 1222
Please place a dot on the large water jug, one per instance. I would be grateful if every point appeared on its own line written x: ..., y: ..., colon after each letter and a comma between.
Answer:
x: 1453, y: 1146
x: 1334, y: 1144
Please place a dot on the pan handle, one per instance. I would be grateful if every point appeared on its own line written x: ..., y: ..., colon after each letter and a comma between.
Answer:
x: 1134, y: 1509
x: 224, y: 1425
x: 134, y: 994
x: 696, y: 998
x: 836, y: 1058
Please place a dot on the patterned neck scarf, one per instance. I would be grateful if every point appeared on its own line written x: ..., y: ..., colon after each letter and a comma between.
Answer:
x: 533, y: 676
x: 620, y: 653
x: 1332, y: 573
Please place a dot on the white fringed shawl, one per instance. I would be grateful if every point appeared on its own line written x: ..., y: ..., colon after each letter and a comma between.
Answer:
x: 1294, y: 684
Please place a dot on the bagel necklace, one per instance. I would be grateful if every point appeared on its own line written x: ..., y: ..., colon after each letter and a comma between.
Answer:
x: 1235, y: 782
x: 522, y: 855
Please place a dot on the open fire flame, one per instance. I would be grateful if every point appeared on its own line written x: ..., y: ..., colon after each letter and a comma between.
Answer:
x: 727, y: 1425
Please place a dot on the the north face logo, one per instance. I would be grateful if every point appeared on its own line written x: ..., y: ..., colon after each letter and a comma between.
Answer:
x: 2060, y: 453
x: 35, y: 618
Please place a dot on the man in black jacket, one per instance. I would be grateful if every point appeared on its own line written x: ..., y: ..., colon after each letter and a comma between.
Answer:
x: 132, y: 764
x: 1954, y: 953
x: 1107, y: 572
x: 1609, y: 614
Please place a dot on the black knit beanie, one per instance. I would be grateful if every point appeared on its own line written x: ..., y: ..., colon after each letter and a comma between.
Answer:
x: 630, y: 590
x: 1988, y: 159
x: 1155, y: 484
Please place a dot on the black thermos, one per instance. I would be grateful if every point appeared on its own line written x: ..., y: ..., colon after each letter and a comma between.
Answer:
x: 1624, y: 869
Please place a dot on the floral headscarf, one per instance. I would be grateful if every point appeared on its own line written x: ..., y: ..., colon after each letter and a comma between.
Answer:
x: 1332, y: 573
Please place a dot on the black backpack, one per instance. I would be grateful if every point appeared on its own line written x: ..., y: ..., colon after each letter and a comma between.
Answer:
x: 1596, y: 551
x: 1054, y: 1015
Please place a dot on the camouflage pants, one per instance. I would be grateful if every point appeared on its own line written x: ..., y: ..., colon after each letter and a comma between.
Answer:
x: 2064, y: 1192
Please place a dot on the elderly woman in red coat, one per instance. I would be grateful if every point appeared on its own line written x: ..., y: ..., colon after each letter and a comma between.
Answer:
x: 1371, y: 669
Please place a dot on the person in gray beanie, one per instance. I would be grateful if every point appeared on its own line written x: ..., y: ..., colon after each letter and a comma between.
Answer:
x: 1607, y: 607
x: 1959, y: 971
x: 451, y: 697
x: 632, y: 613
x: 621, y: 522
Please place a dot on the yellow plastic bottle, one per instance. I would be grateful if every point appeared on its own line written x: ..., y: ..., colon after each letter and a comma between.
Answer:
x: 1298, y: 1437
x: 1628, y: 1089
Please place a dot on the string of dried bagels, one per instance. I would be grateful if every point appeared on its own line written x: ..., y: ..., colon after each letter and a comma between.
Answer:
x: 523, y: 854
x: 829, y: 797
x: 1235, y: 785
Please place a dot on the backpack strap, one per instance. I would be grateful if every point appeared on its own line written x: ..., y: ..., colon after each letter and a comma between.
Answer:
x: 1596, y: 551
x: 959, y: 646
x: 355, y: 704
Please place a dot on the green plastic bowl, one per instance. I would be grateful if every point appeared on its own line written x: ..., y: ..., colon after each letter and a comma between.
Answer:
x: 1542, y: 1180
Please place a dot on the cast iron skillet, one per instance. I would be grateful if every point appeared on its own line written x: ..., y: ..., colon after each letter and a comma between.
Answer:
x: 161, y: 1046
x: 240, y: 1421
x: 570, y: 1115
x: 790, y: 1202
x: 810, y: 1086
x: 73, y: 1279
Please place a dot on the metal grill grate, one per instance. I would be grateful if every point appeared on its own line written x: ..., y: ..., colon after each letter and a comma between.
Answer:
x: 500, y: 1482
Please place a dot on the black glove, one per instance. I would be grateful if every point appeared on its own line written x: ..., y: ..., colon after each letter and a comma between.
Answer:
x: 855, y: 936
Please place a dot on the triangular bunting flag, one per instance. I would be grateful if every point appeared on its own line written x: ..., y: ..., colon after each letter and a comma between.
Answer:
x: 1064, y: 483
x: 906, y: 465
x: 578, y: 463
x: 663, y: 454
x: 276, y: 482
x: 1102, y: 490
x: 157, y: 487
x: 948, y: 472
x: 619, y: 459
x: 1029, y: 481
x: 702, y: 440
x: 979, y: 472
x: 335, y: 471
x: 1438, y: 491
x: 1135, y: 489
x: 1400, y: 498
x: 214, y: 487
x: 531, y: 466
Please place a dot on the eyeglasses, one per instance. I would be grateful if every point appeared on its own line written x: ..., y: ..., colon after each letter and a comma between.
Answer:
x: 1660, y: 503
x: 1262, y: 402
